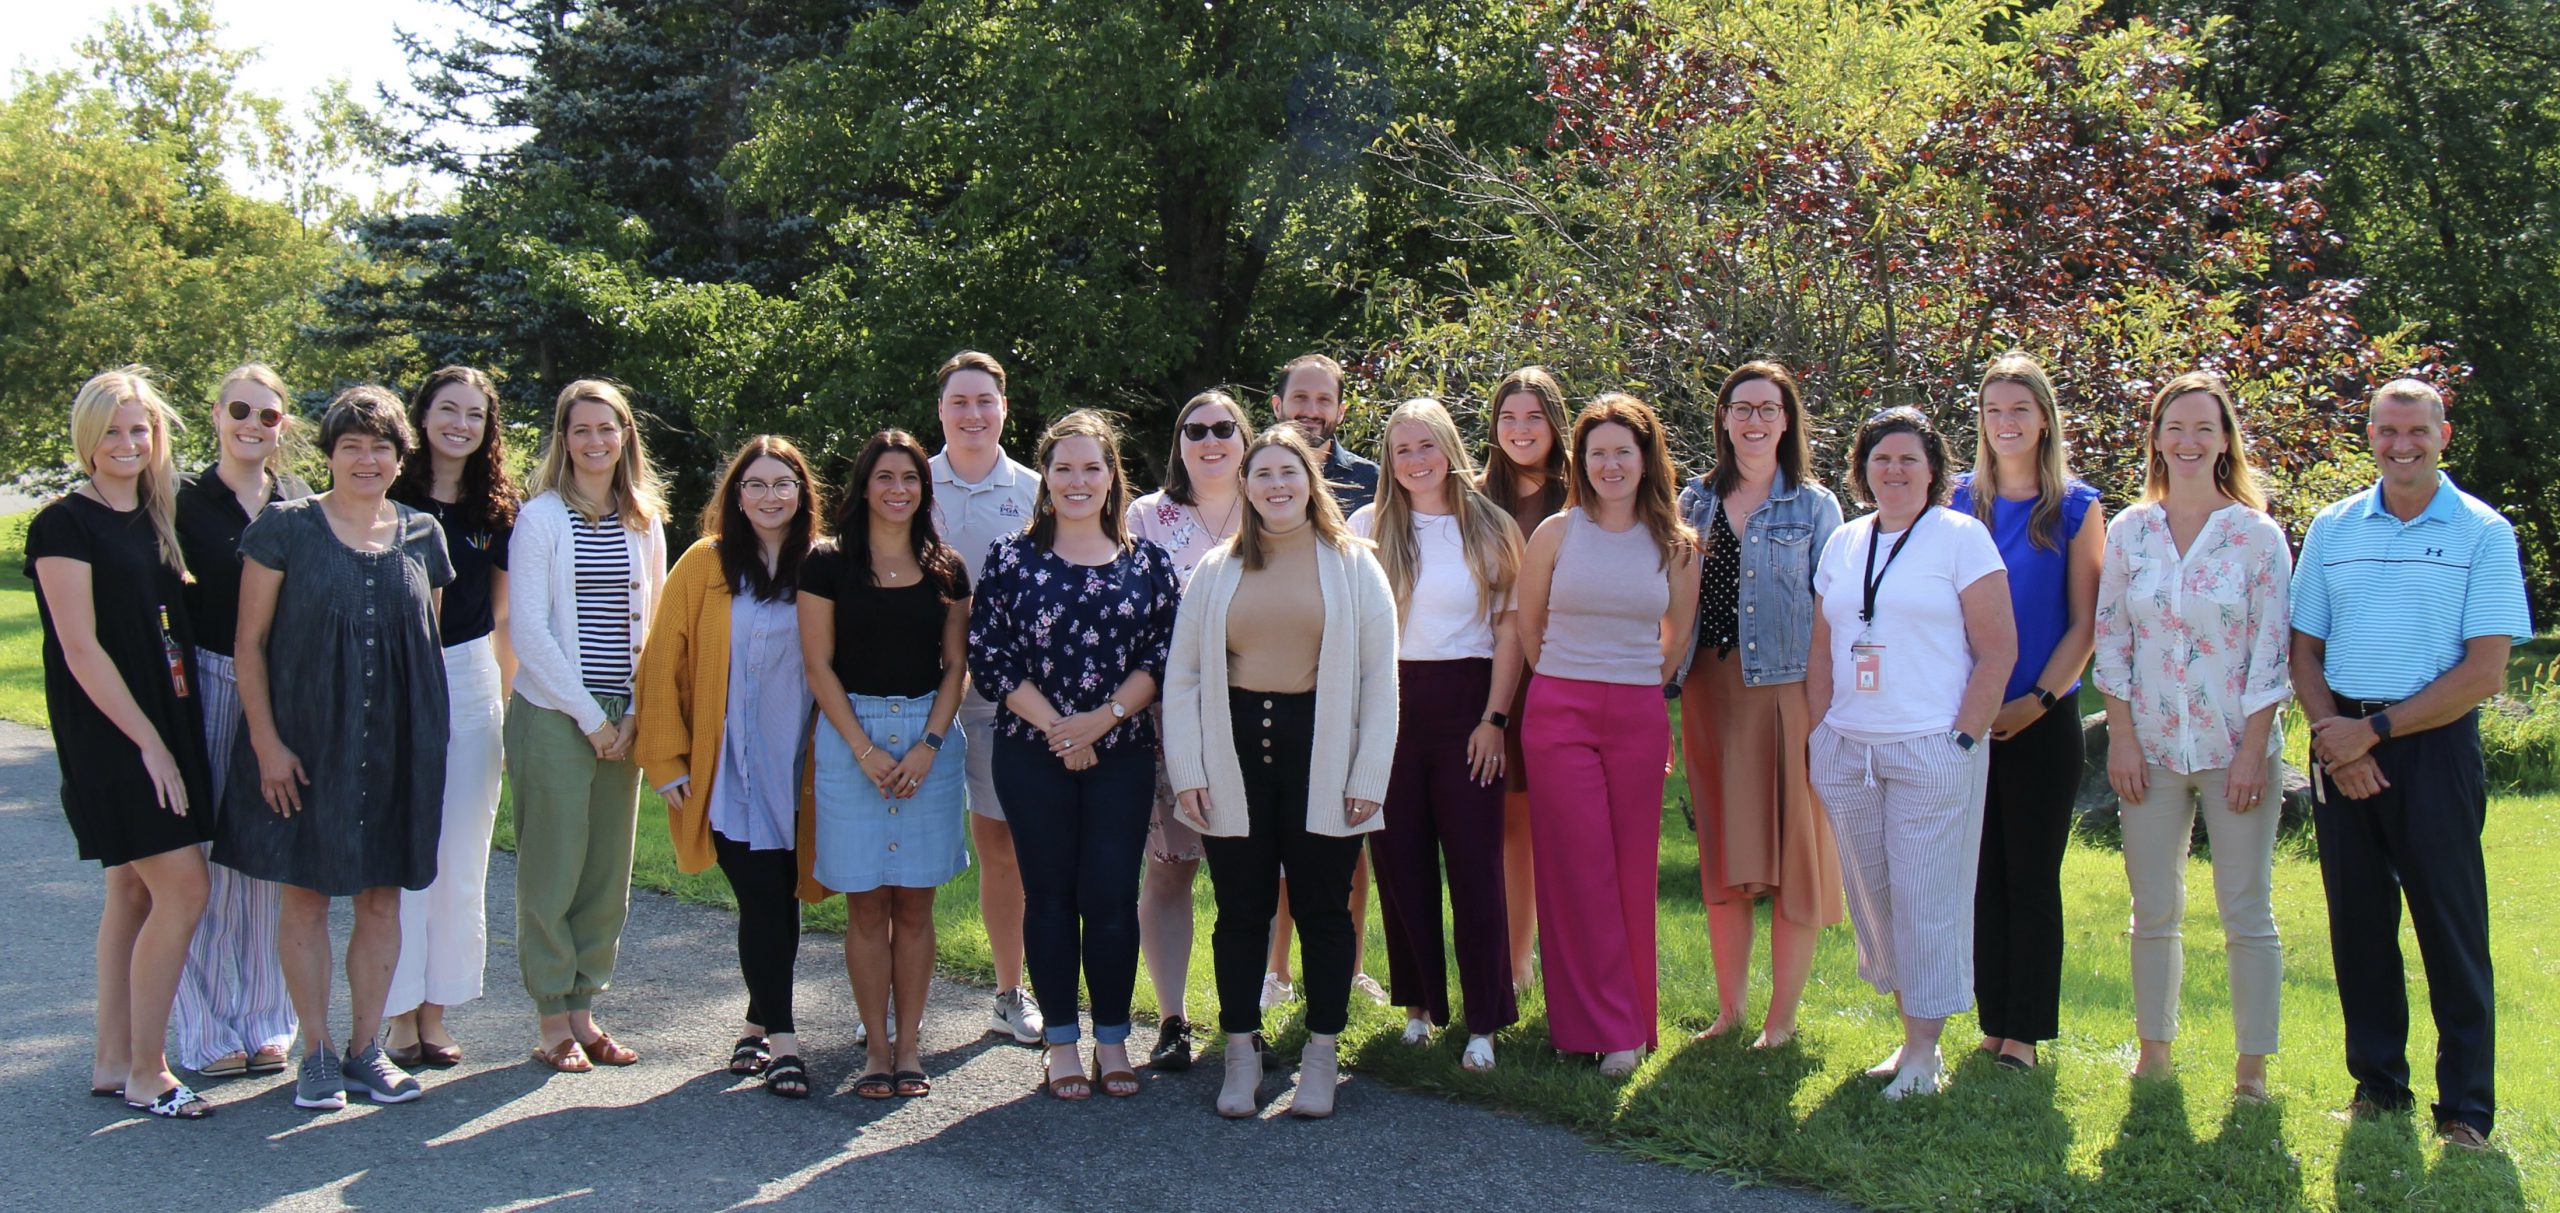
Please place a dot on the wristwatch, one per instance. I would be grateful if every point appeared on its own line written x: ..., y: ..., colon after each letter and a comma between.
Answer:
x: 1117, y: 712
x: 933, y: 741
x: 2381, y: 722
x: 2046, y: 698
x: 1499, y: 720
x: 1963, y: 740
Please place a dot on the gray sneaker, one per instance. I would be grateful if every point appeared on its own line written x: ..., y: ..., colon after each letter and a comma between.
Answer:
x: 380, y: 1077
x: 319, y: 1085
x: 1018, y: 1016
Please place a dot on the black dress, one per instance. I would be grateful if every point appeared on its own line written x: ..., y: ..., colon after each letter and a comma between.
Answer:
x: 106, y: 794
x: 355, y: 677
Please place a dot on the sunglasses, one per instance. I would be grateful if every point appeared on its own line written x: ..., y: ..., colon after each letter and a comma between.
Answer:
x: 1197, y: 432
x: 270, y: 417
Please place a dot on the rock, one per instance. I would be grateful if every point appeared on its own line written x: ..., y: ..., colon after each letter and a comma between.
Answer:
x: 2094, y: 808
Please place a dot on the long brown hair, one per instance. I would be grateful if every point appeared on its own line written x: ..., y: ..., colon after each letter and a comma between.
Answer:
x: 724, y: 518
x: 940, y: 564
x: 1655, y: 506
x: 2232, y: 472
x: 1487, y: 534
x: 487, y: 497
x: 2053, y: 471
x: 1082, y: 423
x: 1499, y: 478
x: 1323, y: 512
x: 1795, y: 450
x: 638, y: 497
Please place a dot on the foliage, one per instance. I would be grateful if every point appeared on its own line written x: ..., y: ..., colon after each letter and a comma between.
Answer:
x: 1884, y: 196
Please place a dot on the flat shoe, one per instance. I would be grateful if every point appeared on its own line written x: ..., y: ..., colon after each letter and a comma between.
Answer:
x: 788, y: 1078
x: 270, y: 1061
x: 178, y: 1103
x: 749, y: 1056
x: 406, y: 1056
x: 564, y: 1058
x: 439, y: 1056
x: 604, y: 1050
x: 2011, y: 1061
x: 912, y: 1083
x: 229, y: 1065
x: 875, y: 1086
x: 107, y: 1092
x: 1114, y: 1080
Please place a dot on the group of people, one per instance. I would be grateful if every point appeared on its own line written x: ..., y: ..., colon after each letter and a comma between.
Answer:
x: 1290, y: 662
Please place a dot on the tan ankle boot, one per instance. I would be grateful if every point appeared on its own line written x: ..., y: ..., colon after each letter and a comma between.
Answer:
x: 1242, y: 1095
x: 1318, y: 1069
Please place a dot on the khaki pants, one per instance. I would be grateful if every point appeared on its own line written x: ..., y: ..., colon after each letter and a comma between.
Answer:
x: 575, y: 815
x: 2156, y: 835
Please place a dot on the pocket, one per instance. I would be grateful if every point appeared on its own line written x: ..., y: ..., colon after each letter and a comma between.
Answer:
x: 1791, y: 552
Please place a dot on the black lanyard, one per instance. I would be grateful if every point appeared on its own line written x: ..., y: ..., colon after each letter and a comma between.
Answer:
x: 1874, y: 580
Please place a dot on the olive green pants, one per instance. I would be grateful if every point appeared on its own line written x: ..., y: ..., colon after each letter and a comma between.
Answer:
x: 575, y: 814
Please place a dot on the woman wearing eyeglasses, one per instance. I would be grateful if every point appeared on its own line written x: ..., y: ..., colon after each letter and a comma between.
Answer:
x: 233, y: 1015
x: 1198, y: 509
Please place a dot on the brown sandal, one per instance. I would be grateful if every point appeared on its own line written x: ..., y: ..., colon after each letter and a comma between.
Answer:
x: 564, y: 1058
x: 604, y: 1050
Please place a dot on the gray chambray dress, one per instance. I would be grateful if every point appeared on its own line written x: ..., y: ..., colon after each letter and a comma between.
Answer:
x: 355, y: 675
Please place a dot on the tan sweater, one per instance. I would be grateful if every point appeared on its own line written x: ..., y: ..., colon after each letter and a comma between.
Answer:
x: 1277, y: 622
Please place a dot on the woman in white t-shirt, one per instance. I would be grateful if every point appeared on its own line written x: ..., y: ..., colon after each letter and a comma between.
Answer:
x: 1451, y: 555
x: 1912, y: 643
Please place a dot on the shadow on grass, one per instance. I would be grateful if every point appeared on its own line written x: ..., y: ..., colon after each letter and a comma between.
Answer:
x: 2245, y: 1166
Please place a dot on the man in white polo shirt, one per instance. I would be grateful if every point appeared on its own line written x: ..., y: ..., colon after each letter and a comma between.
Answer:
x: 980, y: 495
x: 2406, y: 600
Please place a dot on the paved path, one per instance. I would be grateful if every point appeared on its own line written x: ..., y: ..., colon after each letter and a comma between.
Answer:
x: 676, y: 1132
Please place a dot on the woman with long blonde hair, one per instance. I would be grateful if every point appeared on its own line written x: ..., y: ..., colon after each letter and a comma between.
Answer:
x: 585, y: 569
x: 120, y: 691
x: 1451, y: 557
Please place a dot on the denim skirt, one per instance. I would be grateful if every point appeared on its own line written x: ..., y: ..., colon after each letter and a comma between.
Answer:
x: 866, y: 840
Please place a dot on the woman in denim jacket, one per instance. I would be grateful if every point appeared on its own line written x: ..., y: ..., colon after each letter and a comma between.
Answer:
x: 1761, y: 524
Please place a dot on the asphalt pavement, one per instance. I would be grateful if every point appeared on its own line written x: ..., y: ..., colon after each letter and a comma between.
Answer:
x: 677, y: 1132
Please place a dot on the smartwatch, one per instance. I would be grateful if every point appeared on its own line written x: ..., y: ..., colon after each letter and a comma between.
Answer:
x: 933, y: 741
x: 2381, y: 722
x: 1963, y: 740
x: 2045, y: 697
x: 1499, y: 720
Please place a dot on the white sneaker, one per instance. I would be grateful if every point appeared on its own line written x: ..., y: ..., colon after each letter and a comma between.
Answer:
x: 1275, y: 991
x: 1369, y: 985
x: 1016, y: 1015
x: 861, y: 1034
x: 1479, y: 1055
x: 1919, y: 1077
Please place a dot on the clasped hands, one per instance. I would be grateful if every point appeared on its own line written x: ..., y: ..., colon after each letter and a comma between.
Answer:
x: 2343, y: 746
x: 1191, y: 807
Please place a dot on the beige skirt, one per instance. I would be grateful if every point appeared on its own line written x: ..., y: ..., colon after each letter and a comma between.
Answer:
x: 1761, y: 832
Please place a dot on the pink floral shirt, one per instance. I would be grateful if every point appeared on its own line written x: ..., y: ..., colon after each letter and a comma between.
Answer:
x: 1178, y: 529
x: 2195, y: 644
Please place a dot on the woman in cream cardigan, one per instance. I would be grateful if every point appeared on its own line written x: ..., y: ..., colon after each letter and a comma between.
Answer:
x: 1280, y: 734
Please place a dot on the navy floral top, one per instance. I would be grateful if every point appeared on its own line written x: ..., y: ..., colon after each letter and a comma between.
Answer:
x: 1074, y: 631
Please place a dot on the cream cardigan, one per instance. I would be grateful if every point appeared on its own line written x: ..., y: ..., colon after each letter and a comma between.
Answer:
x: 542, y: 606
x: 1355, y: 742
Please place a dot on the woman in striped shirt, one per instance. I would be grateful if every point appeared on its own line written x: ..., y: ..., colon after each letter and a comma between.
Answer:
x: 585, y: 566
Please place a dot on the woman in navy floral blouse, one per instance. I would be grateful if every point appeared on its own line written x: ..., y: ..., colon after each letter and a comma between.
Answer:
x: 1068, y: 633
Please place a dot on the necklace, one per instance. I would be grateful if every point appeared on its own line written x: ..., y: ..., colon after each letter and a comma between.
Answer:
x: 1226, y: 526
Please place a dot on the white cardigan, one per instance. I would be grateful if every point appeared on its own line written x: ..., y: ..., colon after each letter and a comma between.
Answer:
x: 542, y: 605
x: 1355, y: 709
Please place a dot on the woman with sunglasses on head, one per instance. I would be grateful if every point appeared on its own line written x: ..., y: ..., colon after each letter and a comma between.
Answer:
x: 1199, y: 508
x: 728, y: 739
x: 233, y: 1015
x: 883, y: 632
x: 2051, y: 532
x: 461, y: 481
x: 120, y: 691
x: 1068, y: 632
x: 1525, y: 473
x: 1608, y: 596
x: 1761, y: 521
x: 1912, y: 639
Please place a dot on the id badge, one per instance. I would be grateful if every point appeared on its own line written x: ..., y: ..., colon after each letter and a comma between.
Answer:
x: 1866, y: 666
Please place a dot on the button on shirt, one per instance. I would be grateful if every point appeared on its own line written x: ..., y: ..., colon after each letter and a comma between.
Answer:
x: 757, y: 789
x: 2395, y: 602
x: 972, y: 515
x: 2194, y: 644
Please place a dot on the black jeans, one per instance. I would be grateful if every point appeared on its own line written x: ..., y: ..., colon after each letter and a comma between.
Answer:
x: 2017, y: 897
x: 767, y: 884
x: 1079, y: 836
x: 1274, y: 741
x: 2419, y: 837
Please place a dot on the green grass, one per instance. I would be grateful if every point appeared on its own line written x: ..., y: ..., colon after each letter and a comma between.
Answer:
x: 21, y: 633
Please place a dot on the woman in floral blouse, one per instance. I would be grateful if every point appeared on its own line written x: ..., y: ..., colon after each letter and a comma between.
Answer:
x: 1068, y: 634
x: 2191, y: 642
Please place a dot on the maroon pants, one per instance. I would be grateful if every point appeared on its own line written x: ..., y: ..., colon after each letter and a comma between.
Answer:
x: 1435, y: 808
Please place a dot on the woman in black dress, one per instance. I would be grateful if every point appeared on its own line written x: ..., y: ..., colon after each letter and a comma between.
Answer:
x: 119, y: 682
x: 337, y: 788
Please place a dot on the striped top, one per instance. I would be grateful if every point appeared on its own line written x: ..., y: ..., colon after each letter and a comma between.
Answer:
x: 607, y: 615
x: 2396, y: 601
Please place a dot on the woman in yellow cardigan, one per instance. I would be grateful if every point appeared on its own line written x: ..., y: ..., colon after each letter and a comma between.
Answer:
x: 726, y: 644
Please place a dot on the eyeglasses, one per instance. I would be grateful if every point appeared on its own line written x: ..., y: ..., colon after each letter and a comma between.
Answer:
x: 1197, y: 432
x: 270, y: 417
x: 785, y: 487
x: 1746, y: 412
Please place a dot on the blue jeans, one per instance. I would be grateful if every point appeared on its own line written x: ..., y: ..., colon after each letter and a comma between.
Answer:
x: 1079, y: 836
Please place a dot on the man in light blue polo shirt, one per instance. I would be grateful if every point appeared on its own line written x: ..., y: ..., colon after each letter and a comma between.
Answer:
x: 980, y: 495
x: 2406, y: 600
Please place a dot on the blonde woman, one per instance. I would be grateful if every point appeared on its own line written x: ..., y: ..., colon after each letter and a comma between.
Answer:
x: 1280, y: 736
x: 1451, y: 557
x: 120, y: 690
x: 585, y: 568
x: 233, y: 1014
x: 2193, y: 623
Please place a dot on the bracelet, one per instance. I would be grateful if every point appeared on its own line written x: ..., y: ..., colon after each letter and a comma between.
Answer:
x: 865, y: 755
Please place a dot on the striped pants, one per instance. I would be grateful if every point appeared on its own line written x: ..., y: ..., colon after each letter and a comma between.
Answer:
x: 1908, y: 818
x: 231, y: 997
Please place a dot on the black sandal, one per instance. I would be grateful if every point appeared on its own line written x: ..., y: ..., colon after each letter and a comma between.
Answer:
x: 750, y: 1057
x: 912, y: 1083
x: 176, y: 1103
x: 786, y: 1077
x: 875, y: 1086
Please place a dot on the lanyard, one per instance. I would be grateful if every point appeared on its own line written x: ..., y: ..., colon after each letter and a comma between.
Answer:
x: 1874, y: 579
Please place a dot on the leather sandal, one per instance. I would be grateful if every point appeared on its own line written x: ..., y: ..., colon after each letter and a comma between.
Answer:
x: 750, y: 1056
x: 1118, y: 1084
x: 875, y: 1086
x: 439, y: 1056
x: 563, y: 1058
x: 912, y: 1083
x: 604, y: 1050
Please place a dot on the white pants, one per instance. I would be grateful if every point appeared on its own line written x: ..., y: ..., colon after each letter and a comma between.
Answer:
x: 444, y: 928
x: 2157, y: 830
x: 1908, y: 818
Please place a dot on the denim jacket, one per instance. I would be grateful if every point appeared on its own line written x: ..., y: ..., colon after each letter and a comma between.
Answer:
x: 1781, y: 543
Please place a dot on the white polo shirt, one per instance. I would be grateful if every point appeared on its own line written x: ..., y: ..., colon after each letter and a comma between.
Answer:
x: 971, y: 517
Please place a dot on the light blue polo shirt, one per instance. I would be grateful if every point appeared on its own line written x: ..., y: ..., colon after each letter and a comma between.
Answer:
x: 2395, y: 601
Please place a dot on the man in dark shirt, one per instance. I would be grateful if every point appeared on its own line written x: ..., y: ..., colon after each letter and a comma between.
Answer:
x: 1310, y: 397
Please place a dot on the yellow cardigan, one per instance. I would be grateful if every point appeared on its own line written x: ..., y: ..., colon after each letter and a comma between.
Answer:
x: 684, y: 687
